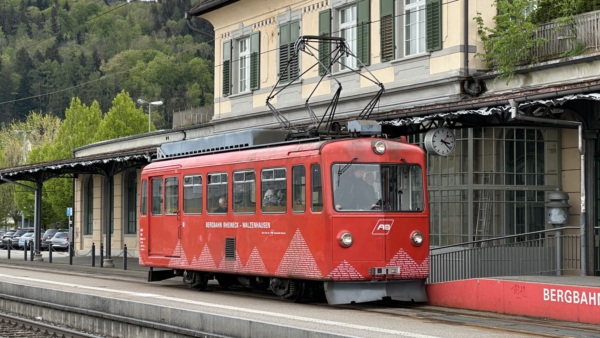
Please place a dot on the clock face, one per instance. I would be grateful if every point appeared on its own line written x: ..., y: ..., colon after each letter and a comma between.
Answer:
x: 441, y: 141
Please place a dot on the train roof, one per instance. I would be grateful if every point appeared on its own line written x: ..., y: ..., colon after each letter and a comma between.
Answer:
x: 256, y: 138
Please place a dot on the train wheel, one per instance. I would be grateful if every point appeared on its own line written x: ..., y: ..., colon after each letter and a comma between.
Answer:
x: 298, y: 289
x: 225, y: 281
x: 196, y: 280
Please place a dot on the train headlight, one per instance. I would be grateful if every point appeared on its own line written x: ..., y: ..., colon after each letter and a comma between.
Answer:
x: 346, y: 239
x: 379, y: 147
x: 416, y: 238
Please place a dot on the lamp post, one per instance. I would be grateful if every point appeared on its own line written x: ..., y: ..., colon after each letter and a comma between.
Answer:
x: 24, y: 132
x: 150, y: 104
x: 557, y: 214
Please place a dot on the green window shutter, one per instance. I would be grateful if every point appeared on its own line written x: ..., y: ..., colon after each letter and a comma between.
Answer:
x: 363, y: 33
x: 388, y: 47
x: 433, y: 17
x: 294, y: 35
x: 255, y: 60
x: 227, y: 68
x: 284, y: 52
x: 324, y: 47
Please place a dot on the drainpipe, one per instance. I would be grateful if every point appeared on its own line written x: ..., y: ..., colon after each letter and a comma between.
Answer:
x: 582, y: 218
x: 466, y: 38
x: 471, y: 86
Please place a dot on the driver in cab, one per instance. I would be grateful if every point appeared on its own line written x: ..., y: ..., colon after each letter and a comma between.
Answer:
x: 353, y: 192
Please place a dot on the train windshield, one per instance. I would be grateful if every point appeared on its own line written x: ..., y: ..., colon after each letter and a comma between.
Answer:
x: 377, y: 187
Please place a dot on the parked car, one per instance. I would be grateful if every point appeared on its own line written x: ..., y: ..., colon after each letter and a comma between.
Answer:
x: 25, y: 241
x: 46, y: 239
x: 14, y: 241
x: 60, y: 241
x: 6, y: 238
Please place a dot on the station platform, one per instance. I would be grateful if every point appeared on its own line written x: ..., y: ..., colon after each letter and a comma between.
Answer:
x: 566, y: 298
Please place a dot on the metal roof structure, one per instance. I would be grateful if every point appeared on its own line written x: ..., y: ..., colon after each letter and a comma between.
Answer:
x: 103, y: 164
x: 208, y: 6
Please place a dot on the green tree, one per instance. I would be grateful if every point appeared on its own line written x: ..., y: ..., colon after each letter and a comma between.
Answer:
x: 508, y: 44
x: 41, y: 129
x: 123, y: 119
x: 80, y: 122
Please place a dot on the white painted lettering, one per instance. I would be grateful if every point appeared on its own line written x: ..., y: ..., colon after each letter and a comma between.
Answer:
x: 571, y: 296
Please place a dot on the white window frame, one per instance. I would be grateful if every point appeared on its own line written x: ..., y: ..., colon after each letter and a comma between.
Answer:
x: 413, y: 45
x: 243, y: 49
x: 348, y: 30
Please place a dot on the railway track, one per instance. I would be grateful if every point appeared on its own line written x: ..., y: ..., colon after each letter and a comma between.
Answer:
x: 19, y: 327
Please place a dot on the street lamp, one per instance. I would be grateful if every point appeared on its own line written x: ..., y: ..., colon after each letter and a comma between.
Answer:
x: 150, y: 104
x: 24, y: 132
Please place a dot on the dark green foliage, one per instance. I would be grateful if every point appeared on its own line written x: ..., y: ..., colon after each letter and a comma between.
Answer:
x: 54, y: 50
x: 548, y: 10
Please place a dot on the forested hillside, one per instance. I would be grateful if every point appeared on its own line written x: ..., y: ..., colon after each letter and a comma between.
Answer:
x: 54, y: 50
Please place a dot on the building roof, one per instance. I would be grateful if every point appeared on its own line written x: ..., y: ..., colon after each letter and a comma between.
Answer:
x: 103, y: 164
x: 208, y: 6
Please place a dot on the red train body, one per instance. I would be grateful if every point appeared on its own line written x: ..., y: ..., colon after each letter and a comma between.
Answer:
x: 285, y: 228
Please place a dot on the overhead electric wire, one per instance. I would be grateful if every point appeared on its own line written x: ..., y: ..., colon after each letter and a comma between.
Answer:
x: 105, y: 77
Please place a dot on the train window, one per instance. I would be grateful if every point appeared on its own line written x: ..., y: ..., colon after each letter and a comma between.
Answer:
x: 157, y: 196
x: 373, y: 187
x: 192, y: 194
x: 216, y: 201
x: 274, y: 190
x: 244, y: 192
x: 299, y: 188
x: 144, y: 203
x: 171, y: 195
x: 316, y: 188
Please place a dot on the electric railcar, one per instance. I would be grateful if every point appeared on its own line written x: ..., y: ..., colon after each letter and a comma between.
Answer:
x: 282, y: 217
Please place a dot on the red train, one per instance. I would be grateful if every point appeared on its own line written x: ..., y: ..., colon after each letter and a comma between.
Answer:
x: 347, y: 217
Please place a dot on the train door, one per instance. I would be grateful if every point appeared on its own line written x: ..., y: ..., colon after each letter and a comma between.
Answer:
x: 163, y: 223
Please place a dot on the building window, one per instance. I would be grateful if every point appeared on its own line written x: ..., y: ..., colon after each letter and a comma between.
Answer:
x: 88, y: 226
x: 130, y: 202
x: 243, y: 55
x: 244, y: 65
x: 494, y: 188
x: 414, y: 27
x: 348, y: 32
x: 353, y: 24
x: 416, y: 23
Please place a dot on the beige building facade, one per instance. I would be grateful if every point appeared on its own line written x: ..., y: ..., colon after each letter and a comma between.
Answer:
x: 515, y: 141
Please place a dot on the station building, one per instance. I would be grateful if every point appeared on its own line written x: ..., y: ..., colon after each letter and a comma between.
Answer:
x: 515, y: 141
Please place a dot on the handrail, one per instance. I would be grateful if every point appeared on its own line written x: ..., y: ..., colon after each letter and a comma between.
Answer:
x: 467, y: 244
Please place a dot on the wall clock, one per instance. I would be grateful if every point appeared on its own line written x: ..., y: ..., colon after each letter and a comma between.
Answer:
x: 440, y: 141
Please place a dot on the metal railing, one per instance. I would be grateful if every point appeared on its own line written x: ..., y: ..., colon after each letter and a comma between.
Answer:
x: 533, y: 253
x: 562, y: 38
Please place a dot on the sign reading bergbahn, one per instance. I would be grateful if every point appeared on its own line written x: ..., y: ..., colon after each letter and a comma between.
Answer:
x: 346, y: 217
